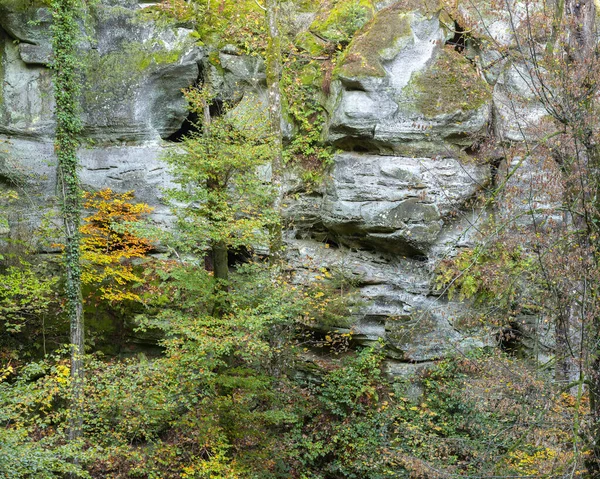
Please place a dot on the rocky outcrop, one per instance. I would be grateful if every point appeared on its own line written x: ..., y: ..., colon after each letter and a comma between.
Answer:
x: 29, y: 166
x: 395, y: 298
x: 401, y: 90
x: 410, y: 100
x: 393, y: 218
x: 132, y: 71
x: 396, y: 204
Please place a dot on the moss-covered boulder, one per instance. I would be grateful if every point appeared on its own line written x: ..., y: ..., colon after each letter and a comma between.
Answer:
x: 338, y: 20
x: 399, y: 86
x: 388, y: 33
x: 449, y: 85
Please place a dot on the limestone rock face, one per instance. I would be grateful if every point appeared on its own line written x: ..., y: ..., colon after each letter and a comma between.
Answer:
x: 399, y: 85
x: 26, y: 96
x: 132, y: 73
x: 397, y: 305
x: 408, y: 106
x: 30, y: 165
x: 518, y: 113
x: 396, y: 204
x: 393, y: 218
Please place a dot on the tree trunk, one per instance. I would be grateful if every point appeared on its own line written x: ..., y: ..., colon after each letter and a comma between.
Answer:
x: 219, y: 249
x: 220, y: 261
x: 582, y: 15
x: 592, y: 461
x: 273, y: 67
x: 65, y: 33
x: 562, y: 368
x: 77, y: 372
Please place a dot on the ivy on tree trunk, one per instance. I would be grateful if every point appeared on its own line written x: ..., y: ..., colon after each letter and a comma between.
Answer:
x: 65, y: 31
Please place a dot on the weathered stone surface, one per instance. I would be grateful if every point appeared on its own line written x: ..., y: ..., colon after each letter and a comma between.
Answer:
x: 29, y: 23
x: 134, y: 74
x: 396, y: 204
x: 132, y: 71
x: 26, y: 95
x: 35, y: 54
x: 394, y: 301
x: 518, y: 112
x: 230, y: 74
x: 399, y: 85
x: 29, y: 166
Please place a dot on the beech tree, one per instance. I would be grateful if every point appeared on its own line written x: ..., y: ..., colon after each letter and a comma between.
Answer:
x: 223, y: 204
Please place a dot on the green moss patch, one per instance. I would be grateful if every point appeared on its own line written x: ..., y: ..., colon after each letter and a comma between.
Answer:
x: 239, y: 23
x: 22, y: 6
x: 449, y: 85
x: 390, y: 29
x: 339, y: 20
x: 112, y: 77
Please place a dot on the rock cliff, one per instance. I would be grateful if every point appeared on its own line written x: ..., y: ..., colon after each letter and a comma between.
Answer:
x: 409, y: 102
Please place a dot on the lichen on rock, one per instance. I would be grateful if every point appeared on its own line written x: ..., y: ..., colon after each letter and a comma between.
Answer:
x: 450, y: 84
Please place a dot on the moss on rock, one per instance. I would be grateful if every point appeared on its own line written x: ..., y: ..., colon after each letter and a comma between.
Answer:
x: 449, y: 85
x: 338, y: 20
x: 112, y: 77
x: 22, y: 5
x: 389, y: 30
x: 310, y: 43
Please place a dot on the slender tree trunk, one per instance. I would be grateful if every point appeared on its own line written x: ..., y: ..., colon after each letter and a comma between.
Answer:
x: 220, y: 261
x: 592, y: 461
x: 582, y: 14
x: 559, y: 10
x: 65, y: 32
x: 273, y: 67
x: 219, y: 249
x: 561, y: 369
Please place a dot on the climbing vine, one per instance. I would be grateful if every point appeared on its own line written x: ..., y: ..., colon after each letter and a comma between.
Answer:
x: 65, y: 31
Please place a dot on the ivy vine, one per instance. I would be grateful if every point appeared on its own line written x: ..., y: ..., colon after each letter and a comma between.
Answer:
x: 65, y: 32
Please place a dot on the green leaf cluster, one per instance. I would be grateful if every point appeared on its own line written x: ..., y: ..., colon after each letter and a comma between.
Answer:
x: 225, y: 194
x: 25, y: 295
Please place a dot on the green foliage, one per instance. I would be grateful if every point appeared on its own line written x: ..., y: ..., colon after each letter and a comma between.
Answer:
x: 330, y: 299
x: 495, y: 273
x: 240, y: 23
x: 304, y: 106
x: 223, y: 197
x: 22, y: 458
x: 32, y: 413
x: 25, y: 295
x: 339, y: 21
x: 346, y: 431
